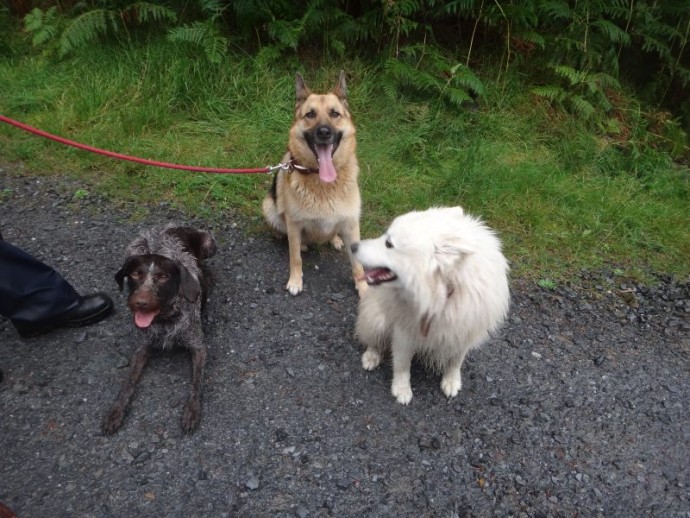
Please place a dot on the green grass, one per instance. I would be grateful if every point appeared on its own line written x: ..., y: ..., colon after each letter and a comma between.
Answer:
x: 562, y: 198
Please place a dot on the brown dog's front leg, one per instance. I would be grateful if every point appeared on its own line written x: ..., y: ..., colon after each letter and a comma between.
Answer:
x: 113, y: 421
x: 191, y: 416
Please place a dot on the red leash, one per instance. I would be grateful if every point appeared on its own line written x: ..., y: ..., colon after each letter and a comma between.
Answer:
x: 145, y: 161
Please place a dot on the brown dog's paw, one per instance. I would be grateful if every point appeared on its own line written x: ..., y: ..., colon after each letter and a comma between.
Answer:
x: 191, y: 417
x: 113, y: 421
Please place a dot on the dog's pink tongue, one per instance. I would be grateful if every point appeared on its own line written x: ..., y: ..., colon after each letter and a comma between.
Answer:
x: 143, y: 319
x: 326, y: 169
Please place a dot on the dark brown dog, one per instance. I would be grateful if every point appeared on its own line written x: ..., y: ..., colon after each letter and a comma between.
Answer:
x: 167, y: 291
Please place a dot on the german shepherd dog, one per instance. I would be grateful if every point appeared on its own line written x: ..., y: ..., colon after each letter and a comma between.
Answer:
x: 316, y: 198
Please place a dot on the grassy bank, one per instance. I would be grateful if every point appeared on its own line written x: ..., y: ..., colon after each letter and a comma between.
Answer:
x: 562, y: 198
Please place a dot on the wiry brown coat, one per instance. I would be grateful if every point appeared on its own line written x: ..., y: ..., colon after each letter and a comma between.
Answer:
x: 165, y: 277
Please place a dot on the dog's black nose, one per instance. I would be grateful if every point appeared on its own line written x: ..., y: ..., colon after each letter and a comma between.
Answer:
x: 324, y: 133
x: 354, y: 247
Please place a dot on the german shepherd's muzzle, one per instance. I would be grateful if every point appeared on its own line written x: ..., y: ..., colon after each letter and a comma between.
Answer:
x: 323, y: 139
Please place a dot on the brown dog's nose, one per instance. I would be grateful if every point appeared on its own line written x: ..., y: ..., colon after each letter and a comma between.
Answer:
x: 140, y: 302
x: 354, y: 247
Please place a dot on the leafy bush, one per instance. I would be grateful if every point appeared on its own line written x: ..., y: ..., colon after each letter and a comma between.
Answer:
x: 573, y: 54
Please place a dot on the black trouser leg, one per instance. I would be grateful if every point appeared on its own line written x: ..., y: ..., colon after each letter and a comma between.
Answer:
x: 31, y: 291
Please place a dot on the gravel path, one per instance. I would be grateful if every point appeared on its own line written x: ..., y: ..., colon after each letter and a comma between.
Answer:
x: 578, y: 408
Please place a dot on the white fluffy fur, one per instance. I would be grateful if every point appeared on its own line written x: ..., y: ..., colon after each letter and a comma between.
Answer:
x: 450, y: 293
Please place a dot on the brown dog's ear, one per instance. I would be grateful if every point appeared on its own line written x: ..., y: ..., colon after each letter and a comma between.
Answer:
x: 301, y: 90
x: 197, y: 242
x: 341, y: 88
x: 208, y: 245
x: 189, y: 285
x: 123, y: 272
x: 120, y: 278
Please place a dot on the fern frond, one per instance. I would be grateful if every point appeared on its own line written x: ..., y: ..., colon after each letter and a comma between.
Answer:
x: 422, y: 80
x: 456, y: 96
x: 552, y: 93
x: 555, y: 10
x: 534, y: 38
x: 614, y: 33
x: 34, y: 18
x: 463, y: 76
x: 403, y: 7
x: 87, y: 28
x: 581, y: 106
x: 650, y: 44
x: 569, y: 73
x: 204, y: 35
x: 460, y: 6
x: 268, y: 55
x: 287, y: 33
x: 43, y: 25
x: 604, y: 80
x: 148, y: 12
x: 212, y: 6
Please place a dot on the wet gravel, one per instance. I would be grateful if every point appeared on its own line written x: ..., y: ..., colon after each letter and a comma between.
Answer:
x: 578, y: 408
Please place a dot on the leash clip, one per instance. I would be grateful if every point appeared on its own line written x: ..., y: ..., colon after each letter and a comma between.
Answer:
x: 273, y: 168
x: 290, y: 165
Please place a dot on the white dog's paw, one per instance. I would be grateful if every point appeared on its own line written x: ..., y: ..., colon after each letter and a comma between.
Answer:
x: 451, y: 384
x: 337, y: 243
x: 370, y: 360
x: 294, y: 286
x: 402, y: 391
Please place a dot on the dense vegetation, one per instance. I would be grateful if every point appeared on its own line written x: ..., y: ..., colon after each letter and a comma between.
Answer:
x: 564, y: 123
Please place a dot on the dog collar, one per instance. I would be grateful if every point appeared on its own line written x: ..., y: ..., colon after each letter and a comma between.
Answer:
x: 294, y: 166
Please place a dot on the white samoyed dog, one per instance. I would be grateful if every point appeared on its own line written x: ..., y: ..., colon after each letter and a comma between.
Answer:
x: 438, y: 287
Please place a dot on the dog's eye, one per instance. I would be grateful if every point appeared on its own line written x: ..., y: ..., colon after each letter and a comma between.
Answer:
x: 388, y: 243
x: 161, y: 277
x: 335, y: 114
x: 134, y: 276
x: 311, y: 114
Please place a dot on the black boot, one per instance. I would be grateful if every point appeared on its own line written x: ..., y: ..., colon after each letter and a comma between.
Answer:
x: 91, y: 309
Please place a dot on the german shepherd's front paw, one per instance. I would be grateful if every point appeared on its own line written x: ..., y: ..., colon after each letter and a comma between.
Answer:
x: 191, y: 416
x: 362, y: 287
x: 337, y: 243
x: 113, y: 421
x: 294, y: 286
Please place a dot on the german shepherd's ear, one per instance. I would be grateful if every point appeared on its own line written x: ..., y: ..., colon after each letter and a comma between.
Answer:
x: 341, y: 88
x: 301, y: 90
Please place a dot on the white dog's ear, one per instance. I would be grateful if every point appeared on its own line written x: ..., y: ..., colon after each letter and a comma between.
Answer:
x: 455, y: 212
x: 447, y: 255
x: 450, y: 249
